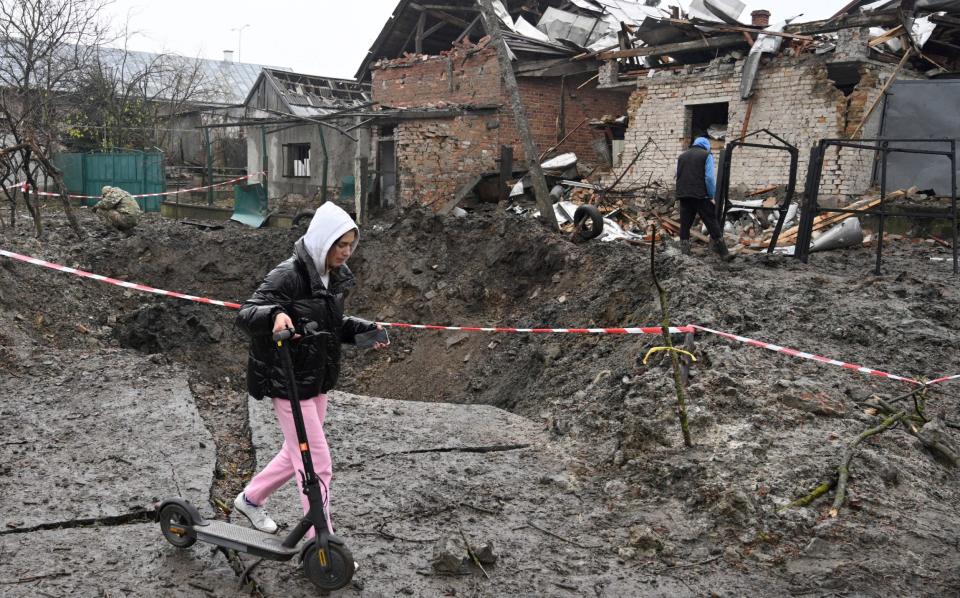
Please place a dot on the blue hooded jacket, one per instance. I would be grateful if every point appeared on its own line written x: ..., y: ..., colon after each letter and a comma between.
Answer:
x: 711, y: 171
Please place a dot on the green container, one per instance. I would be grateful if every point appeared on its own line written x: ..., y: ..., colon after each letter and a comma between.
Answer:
x: 133, y: 171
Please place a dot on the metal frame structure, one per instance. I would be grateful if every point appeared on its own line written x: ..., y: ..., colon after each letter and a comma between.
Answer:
x: 881, y: 145
x: 723, y: 179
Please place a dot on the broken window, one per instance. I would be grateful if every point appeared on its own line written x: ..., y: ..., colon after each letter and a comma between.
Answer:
x: 296, y: 160
x: 707, y: 120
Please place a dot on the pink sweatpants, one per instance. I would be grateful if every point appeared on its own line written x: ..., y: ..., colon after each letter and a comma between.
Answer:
x: 287, y: 463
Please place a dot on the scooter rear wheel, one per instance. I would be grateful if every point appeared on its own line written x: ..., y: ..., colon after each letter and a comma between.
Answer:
x: 177, y: 526
x: 337, y: 574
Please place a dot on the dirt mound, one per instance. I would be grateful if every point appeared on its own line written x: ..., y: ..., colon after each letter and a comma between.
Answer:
x: 767, y: 428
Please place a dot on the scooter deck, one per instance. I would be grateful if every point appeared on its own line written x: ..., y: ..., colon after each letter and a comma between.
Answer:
x: 244, y: 539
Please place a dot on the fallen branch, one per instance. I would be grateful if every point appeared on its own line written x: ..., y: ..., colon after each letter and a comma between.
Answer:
x: 843, y: 471
x: 36, y: 578
x: 814, y: 494
x: 559, y: 537
x: 473, y: 555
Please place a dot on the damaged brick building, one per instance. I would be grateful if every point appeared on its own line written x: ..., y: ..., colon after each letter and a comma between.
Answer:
x: 816, y: 87
x: 466, y: 118
x: 670, y: 75
x: 449, y: 111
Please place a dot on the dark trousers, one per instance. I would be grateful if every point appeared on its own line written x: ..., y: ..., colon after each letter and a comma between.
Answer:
x: 690, y: 207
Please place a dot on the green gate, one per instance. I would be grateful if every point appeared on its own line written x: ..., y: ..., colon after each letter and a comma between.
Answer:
x: 135, y: 172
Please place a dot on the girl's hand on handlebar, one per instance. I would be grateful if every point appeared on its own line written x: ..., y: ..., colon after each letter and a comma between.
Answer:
x: 283, y: 322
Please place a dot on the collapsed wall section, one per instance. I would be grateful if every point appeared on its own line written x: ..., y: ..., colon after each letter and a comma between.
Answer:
x: 437, y: 154
x: 792, y: 97
x: 437, y: 157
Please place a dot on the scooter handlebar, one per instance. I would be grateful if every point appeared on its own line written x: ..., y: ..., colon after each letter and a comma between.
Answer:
x: 310, y: 330
x: 283, y: 335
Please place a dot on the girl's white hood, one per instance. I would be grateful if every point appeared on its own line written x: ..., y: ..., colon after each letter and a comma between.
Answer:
x: 329, y: 223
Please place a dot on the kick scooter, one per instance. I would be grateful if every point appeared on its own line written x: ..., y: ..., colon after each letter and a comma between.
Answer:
x: 326, y: 560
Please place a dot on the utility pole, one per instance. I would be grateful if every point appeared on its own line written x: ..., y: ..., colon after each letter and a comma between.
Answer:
x: 239, y: 31
x: 492, y: 25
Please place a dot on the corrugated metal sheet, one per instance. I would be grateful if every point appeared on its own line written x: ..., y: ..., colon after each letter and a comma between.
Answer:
x: 222, y: 82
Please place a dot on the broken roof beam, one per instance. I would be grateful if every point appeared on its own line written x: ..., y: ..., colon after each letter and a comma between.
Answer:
x: 445, y: 7
x: 709, y: 43
x: 437, y: 14
x: 830, y: 25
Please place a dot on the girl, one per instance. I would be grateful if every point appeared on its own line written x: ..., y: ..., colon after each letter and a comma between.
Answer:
x: 310, y: 286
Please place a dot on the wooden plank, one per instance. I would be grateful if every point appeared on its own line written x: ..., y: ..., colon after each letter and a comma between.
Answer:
x: 506, y: 173
x: 830, y: 25
x: 418, y: 40
x: 761, y: 191
x: 433, y: 29
x: 876, y: 41
x: 468, y: 29
x: 461, y: 193
x: 749, y: 30
x: 824, y: 221
x: 709, y: 43
x: 673, y: 224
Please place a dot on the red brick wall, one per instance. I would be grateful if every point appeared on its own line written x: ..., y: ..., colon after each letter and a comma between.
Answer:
x: 423, y: 81
x: 541, y: 98
x: 437, y: 156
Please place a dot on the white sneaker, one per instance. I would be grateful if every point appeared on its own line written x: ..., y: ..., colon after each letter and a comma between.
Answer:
x: 257, y: 515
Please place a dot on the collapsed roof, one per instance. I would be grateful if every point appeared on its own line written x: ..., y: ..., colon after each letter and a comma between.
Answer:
x: 305, y: 95
x: 641, y: 36
x: 533, y: 30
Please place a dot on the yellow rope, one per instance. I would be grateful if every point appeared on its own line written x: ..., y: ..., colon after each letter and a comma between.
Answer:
x: 674, y: 349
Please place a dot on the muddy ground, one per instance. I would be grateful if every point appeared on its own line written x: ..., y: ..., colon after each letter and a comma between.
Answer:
x: 627, y: 509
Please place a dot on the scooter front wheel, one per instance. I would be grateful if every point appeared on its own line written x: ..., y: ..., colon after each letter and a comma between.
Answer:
x: 177, y: 526
x: 337, y: 573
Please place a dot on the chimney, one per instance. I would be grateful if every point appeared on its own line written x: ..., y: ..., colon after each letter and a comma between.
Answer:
x: 228, y: 55
x: 760, y: 18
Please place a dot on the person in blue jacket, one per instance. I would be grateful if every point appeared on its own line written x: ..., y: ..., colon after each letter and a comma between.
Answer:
x: 696, y: 187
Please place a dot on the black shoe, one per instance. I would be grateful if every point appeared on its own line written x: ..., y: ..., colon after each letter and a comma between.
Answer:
x: 721, y: 248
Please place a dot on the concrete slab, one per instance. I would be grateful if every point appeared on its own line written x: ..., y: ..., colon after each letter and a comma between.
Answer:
x: 392, y: 526
x: 126, y: 560
x: 130, y: 436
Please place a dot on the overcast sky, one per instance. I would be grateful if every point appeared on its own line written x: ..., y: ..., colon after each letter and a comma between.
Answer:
x: 318, y: 37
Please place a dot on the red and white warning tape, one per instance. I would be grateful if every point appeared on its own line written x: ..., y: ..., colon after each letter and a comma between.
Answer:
x: 24, y: 188
x: 641, y: 330
x: 119, y: 283
x: 944, y: 379
x: 805, y: 355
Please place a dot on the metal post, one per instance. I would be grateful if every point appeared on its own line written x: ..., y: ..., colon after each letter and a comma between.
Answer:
x: 323, y: 146
x: 953, y: 198
x: 206, y: 135
x: 809, y: 212
x: 264, y: 161
x: 884, y: 154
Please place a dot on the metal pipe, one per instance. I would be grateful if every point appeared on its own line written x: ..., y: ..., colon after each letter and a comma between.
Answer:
x: 884, y: 147
x: 323, y: 182
x: 206, y: 135
x: 264, y: 161
x: 953, y: 198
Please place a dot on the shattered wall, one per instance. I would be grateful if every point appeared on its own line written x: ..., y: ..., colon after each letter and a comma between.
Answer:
x: 341, y: 151
x: 793, y: 97
x: 436, y: 156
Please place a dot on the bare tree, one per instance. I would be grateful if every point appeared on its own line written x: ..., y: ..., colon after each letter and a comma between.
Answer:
x: 127, y: 99
x: 44, y: 47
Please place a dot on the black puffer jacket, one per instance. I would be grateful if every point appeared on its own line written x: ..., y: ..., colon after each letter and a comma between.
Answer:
x: 295, y: 287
